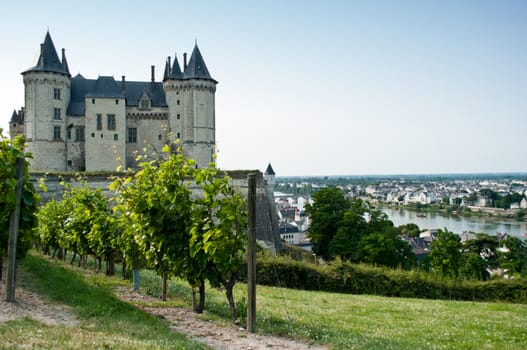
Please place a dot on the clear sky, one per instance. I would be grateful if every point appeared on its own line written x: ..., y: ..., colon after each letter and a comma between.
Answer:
x: 314, y: 87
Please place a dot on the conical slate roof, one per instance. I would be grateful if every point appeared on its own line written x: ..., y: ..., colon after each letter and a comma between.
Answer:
x: 175, y: 71
x: 49, y: 61
x: 196, y: 68
x: 16, y: 118
x: 269, y: 170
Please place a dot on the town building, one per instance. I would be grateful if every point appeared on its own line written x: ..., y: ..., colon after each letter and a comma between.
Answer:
x: 80, y: 124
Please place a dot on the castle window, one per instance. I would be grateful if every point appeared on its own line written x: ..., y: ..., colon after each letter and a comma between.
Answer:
x: 178, y: 135
x: 159, y: 137
x: 132, y: 135
x: 69, y: 134
x: 79, y: 134
x: 92, y: 134
x: 111, y: 121
x: 92, y: 101
x: 115, y: 137
x: 56, y: 94
x: 177, y: 102
x: 99, y: 121
x: 56, y: 133
x: 56, y: 113
x: 178, y: 116
x: 116, y: 102
x: 144, y: 105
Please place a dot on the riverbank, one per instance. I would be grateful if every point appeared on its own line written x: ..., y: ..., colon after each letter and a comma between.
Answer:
x: 481, y: 223
x: 469, y: 211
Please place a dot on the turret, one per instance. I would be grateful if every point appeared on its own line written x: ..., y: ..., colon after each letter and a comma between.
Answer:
x: 190, y: 95
x: 270, y: 178
x: 47, y: 95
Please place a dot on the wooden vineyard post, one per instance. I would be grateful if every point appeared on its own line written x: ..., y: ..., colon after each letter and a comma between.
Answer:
x: 251, y: 255
x: 13, y: 233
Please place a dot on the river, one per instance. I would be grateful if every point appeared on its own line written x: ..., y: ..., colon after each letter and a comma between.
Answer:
x: 457, y: 224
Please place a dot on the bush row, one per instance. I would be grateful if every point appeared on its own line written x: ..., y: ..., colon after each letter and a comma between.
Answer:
x: 344, y: 277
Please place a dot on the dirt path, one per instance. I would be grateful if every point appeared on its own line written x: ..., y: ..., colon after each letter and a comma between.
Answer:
x: 182, y: 320
x: 221, y: 337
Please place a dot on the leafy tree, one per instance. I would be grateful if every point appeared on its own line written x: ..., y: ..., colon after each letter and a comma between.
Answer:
x: 410, y: 230
x: 385, y: 249
x: 326, y: 214
x: 484, y: 246
x: 350, y: 231
x: 10, y: 150
x: 157, y: 203
x: 445, y: 253
x: 474, y: 266
x: 510, y: 198
x: 219, y: 235
x: 515, y: 259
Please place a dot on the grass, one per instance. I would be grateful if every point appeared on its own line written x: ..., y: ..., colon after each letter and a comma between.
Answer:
x: 341, y: 321
x: 344, y: 321
x: 105, y: 321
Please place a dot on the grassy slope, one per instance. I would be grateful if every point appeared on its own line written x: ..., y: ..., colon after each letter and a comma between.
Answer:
x: 105, y: 321
x: 339, y: 320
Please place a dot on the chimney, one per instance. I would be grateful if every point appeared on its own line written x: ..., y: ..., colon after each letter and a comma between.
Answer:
x: 123, y: 84
x: 185, y: 61
x: 152, y: 68
x: 63, y: 54
x: 169, y: 65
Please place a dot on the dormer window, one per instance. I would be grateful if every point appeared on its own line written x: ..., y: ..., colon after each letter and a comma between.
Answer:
x: 144, y: 102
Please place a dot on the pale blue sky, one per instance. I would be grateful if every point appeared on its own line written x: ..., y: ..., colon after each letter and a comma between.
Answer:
x: 314, y: 87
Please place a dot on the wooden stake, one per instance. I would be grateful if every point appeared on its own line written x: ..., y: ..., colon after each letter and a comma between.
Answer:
x: 251, y: 255
x: 13, y: 233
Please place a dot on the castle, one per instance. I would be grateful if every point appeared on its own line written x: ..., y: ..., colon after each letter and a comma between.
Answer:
x: 80, y: 124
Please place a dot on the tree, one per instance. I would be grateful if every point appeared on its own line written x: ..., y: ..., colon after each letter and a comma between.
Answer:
x: 410, y: 230
x: 385, y: 249
x: 350, y: 230
x: 445, y: 253
x: 485, y: 247
x: 219, y: 232
x: 514, y: 256
x: 157, y: 203
x: 326, y: 214
x: 474, y: 266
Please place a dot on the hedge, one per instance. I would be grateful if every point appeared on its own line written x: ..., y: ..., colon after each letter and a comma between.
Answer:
x: 344, y: 277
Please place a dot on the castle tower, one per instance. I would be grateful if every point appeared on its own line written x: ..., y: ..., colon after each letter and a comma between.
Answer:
x: 270, y: 177
x: 190, y: 96
x: 47, y: 96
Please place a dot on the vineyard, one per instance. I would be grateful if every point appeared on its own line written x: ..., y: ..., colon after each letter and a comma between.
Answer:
x: 151, y: 220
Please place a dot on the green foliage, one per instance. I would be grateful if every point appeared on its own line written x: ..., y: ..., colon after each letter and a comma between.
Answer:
x: 410, y: 230
x: 474, y: 266
x: 157, y: 204
x: 81, y: 222
x: 514, y: 256
x: 10, y: 150
x: 326, y: 216
x: 344, y: 277
x: 445, y: 253
x: 219, y: 231
x: 355, y: 231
